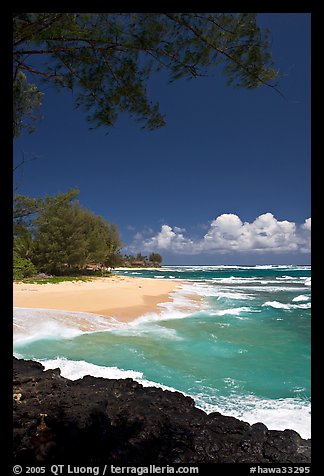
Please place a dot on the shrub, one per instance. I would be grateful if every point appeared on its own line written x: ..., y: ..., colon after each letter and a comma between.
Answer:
x: 22, y: 267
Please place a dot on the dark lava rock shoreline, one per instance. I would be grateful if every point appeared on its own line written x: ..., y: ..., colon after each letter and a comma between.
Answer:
x: 95, y: 420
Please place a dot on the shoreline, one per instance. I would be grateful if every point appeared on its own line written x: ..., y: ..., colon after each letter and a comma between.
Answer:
x: 156, y: 419
x: 119, y: 297
x: 37, y: 324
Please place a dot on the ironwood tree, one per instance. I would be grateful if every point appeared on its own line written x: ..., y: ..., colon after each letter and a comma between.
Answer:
x: 57, y: 235
x: 106, y: 59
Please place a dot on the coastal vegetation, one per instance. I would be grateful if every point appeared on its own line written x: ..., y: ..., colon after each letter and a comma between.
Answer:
x: 154, y: 260
x: 56, y: 236
x: 44, y: 279
x: 22, y: 267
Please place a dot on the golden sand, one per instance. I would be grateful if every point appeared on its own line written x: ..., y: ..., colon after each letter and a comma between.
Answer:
x: 122, y: 297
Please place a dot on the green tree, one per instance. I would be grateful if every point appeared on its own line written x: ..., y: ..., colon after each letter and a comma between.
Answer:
x: 107, y: 58
x: 140, y: 257
x: 94, y: 230
x: 27, y: 99
x: 24, y: 212
x: 113, y: 243
x: 58, y: 235
x: 115, y: 259
x: 24, y: 207
x: 22, y: 268
x: 23, y: 243
x: 59, y: 242
x: 156, y: 258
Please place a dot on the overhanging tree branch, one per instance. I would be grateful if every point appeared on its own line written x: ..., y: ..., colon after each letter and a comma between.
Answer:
x: 110, y: 56
x: 248, y: 70
x: 44, y: 25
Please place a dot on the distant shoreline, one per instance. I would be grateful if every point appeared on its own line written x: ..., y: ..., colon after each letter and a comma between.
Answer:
x: 141, y: 268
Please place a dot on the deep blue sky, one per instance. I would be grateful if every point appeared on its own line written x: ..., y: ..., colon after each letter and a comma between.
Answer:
x: 224, y: 150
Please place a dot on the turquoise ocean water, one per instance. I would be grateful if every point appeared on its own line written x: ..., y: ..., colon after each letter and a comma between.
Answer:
x: 242, y: 350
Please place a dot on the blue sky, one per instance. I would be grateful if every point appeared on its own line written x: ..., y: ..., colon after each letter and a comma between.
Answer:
x: 226, y: 181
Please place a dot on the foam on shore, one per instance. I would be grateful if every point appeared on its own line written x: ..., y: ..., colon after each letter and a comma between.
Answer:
x: 276, y: 414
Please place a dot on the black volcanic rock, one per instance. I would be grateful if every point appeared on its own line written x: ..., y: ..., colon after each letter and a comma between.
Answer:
x: 95, y: 420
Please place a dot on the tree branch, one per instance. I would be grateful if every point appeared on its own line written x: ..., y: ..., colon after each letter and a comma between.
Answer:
x: 34, y: 71
x: 60, y: 49
x: 21, y: 164
x: 210, y: 19
x: 44, y: 27
x: 228, y: 56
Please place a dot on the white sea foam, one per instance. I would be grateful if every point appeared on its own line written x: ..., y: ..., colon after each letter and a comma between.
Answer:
x: 35, y: 323
x: 289, y: 279
x: 177, y: 309
x: 280, y: 305
x: 288, y: 267
x: 272, y: 289
x: 206, y: 290
x: 252, y: 280
x: 276, y: 305
x: 273, y: 266
x: 193, y: 268
x: 76, y: 369
x: 234, y: 311
x: 232, y: 295
x: 301, y: 297
x: 186, y: 268
x: 280, y: 414
x: 308, y: 282
x: 234, y: 280
x: 148, y: 326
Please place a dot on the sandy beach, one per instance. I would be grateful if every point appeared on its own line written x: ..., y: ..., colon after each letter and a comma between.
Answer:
x: 122, y: 297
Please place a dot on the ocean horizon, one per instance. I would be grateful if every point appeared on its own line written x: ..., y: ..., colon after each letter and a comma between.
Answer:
x: 235, y: 338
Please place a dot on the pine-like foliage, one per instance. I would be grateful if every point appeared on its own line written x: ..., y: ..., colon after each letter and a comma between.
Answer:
x: 107, y: 58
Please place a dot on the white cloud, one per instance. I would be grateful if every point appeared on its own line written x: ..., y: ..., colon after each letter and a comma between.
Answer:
x: 179, y: 230
x: 306, y: 229
x: 168, y: 239
x: 227, y: 233
x: 307, y: 225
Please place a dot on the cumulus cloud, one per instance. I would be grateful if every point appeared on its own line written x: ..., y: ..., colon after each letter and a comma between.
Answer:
x: 306, y: 229
x: 169, y: 239
x: 307, y: 225
x: 227, y: 233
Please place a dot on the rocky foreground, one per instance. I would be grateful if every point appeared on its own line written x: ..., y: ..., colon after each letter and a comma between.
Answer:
x: 95, y: 420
